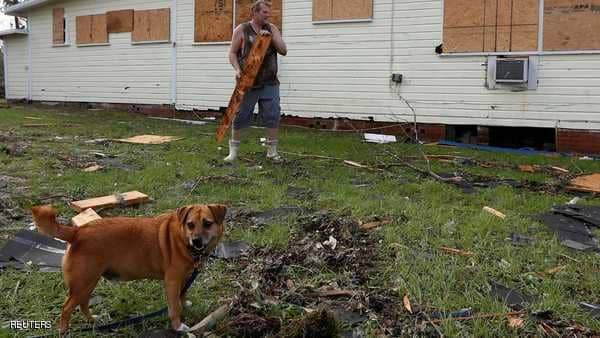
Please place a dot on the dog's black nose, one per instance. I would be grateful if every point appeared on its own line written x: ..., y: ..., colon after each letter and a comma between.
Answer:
x: 197, y: 242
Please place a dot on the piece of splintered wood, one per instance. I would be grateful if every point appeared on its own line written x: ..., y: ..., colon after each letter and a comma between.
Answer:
x: 127, y: 198
x: 253, y: 62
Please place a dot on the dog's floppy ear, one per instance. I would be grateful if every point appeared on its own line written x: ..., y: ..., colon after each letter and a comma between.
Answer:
x: 218, y: 211
x: 183, y: 212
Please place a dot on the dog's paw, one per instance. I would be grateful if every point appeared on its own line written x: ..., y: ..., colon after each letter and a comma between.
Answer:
x: 187, y: 304
x: 182, y: 328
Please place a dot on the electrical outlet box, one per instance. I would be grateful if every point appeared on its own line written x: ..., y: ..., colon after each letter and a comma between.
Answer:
x: 397, y: 78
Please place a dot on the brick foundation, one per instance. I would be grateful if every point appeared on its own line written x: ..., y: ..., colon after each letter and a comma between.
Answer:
x: 578, y: 141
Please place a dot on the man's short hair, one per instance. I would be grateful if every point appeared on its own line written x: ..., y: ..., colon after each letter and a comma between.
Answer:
x: 256, y: 6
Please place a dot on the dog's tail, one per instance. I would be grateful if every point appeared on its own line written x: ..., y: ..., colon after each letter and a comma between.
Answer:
x: 45, y: 219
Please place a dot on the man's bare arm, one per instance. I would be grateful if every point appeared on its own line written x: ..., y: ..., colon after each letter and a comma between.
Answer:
x: 278, y: 40
x: 236, y: 44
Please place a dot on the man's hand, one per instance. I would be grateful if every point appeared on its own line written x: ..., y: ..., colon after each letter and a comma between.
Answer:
x: 264, y: 32
x: 238, y: 74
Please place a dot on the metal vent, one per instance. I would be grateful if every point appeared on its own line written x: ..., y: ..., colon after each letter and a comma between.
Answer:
x: 511, y: 70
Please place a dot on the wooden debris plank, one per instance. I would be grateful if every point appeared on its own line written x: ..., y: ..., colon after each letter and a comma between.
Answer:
x: 586, y: 183
x: 149, y: 139
x: 458, y: 252
x: 85, y: 217
x: 246, y: 81
x: 128, y: 198
x: 494, y: 212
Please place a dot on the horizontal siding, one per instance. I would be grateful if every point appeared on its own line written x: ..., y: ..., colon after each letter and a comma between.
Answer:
x: 119, y: 73
x: 332, y: 70
x: 16, y: 74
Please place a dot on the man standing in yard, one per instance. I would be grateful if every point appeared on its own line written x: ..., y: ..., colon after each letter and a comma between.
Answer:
x: 266, y: 86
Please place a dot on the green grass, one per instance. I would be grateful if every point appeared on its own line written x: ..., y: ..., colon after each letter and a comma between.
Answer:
x: 425, y: 215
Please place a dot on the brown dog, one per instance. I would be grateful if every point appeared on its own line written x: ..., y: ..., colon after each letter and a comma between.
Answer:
x: 166, y: 247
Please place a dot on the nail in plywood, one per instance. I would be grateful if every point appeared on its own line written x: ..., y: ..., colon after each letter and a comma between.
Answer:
x: 253, y: 62
x: 571, y: 25
x: 58, y: 26
x: 128, y: 198
x: 119, y: 21
x: 149, y: 139
x: 463, y: 40
x: 321, y: 10
x: 463, y: 13
x: 213, y: 20
x: 524, y: 38
x: 352, y: 9
x: 151, y: 25
x: 85, y: 217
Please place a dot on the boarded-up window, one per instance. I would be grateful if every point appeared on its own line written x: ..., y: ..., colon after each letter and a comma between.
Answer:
x: 213, y: 20
x: 490, y: 25
x: 571, y: 25
x: 243, y: 12
x: 151, y: 25
x: 119, y: 21
x: 91, y: 29
x: 325, y: 10
x: 58, y: 26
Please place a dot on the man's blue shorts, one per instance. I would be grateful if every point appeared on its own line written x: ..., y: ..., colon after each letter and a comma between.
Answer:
x: 269, y: 109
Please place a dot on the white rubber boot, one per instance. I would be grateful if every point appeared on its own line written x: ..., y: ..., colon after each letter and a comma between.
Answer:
x: 234, y: 147
x: 272, y: 150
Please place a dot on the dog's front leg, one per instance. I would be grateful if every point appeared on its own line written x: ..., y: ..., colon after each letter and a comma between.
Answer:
x: 173, y: 289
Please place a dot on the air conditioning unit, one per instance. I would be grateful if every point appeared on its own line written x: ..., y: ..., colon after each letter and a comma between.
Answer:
x: 511, y: 70
x: 515, y: 73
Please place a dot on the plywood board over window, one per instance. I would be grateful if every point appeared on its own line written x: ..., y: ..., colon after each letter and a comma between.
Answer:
x: 151, y: 25
x: 326, y: 10
x: 571, y: 25
x: 213, y: 20
x: 58, y: 26
x: 91, y: 29
x: 490, y: 25
x: 243, y: 12
x: 119, y: 21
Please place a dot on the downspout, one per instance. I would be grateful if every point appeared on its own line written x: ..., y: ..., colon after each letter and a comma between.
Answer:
x: 5, y: 65
x: 174, y: 53
x: 29, y: 59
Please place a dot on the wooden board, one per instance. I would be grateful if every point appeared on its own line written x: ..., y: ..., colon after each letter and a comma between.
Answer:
x: 58, y: 26
x: 353, y: 9
x: 243, y: 12
x: 213, y: 20
x: 586, y: 183
x: 149, y: 139
x: 490, y: 13
x: 503, y: 38
x: 463, y: 40
x: 253, y: 62
x: 525, y: 12
x: 91, y: 29
x: 151, y: 25
x: 119, y: 21
x: 99, y: 32
x: 464, y: 13
x: 524, y: 38
x: 83, y: 27
x: 85, y: 217
x: 128, y: 198
x: 321, y: 10
x: 571, y: 25
x: 504, y: 13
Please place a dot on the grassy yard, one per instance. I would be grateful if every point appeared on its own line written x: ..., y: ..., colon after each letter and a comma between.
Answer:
x: 273, y: 286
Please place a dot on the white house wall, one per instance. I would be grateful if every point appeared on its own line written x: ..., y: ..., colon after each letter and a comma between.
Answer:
x: 119, y: 73
x: 16, y: 66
